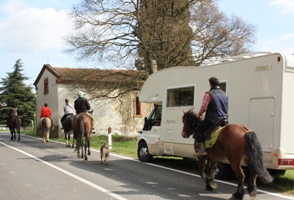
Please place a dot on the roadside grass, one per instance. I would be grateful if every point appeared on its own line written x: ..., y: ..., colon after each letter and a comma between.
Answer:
x: 127, y: 146
x: 120, y: 144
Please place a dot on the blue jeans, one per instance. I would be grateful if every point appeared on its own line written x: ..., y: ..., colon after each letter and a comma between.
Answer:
x: 200, y: 129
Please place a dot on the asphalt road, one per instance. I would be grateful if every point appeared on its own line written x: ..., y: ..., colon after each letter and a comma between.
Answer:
x: 31, y: 170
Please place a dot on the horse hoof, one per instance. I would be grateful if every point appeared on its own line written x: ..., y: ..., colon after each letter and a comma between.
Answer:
x: 208, y: 188
x: 47, y: 141
x: 213, y: 185
x: 236, y: 197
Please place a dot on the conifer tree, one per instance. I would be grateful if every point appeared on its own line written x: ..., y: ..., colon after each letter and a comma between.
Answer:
x: 13, y: 90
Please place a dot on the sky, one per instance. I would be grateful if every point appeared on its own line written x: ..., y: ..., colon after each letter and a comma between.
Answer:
x: 33, y: 31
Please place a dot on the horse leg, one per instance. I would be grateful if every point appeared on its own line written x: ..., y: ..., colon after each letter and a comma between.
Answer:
x: 82, y: 148
x: 73, y: 143
x: 48, y: 133
x: 78, y: 152
x: 18, y: 135
x: 14, y: 134
x: 201, y: 168
x: 65, y: 138
x: 69, y: 144
x: 88, y: 143
x: 210, y: 183
x: 236, y: 167
x: 11, y: 132
x: 44, y: 136
x: 251, y: 187
x: 85, y: 146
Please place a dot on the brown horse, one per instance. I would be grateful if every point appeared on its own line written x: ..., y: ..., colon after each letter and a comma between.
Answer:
x: 67, y: 124
x: 45, y: 126
x: 82, y: 127
x: 14, y: 124
x: 235, y: 143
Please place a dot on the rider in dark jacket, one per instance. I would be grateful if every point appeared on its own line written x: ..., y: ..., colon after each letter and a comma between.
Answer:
x: 82, y: 105
x: 215, y: 105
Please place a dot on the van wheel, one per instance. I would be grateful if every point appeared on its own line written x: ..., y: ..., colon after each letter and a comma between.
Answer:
x: 143, y: 153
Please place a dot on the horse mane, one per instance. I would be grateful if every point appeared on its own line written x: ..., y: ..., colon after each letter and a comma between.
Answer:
x: 191, y: 117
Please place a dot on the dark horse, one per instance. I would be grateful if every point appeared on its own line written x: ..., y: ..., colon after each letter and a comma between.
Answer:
x: 67, y: 124
x: 82, y: 128
x: 235, y: 142
x: 14, y: 124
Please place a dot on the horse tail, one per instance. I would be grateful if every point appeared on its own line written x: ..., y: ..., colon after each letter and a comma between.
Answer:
x: 81, y: 131
x: 44, y: 125
x: 255, y: 156
x: 71, y: 121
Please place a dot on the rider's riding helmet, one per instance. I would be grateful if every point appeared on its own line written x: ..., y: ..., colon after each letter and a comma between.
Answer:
x: 81, y: 94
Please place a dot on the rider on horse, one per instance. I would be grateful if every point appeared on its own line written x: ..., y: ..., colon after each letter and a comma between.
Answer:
x: 82, y: 105
x: 46, y: 112
x: 12, y: 113
x: 68, y: 110
x: 215, y: 104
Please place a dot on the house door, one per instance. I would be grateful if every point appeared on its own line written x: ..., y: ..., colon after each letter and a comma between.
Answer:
x: 261, y: 120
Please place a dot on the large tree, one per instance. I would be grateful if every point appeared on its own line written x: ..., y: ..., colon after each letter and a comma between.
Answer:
x: 134, y: 34
x: 13, y: 90
x: 171, y: 32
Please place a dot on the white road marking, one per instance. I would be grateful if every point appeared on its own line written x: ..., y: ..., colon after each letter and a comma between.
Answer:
x: 70, y: 174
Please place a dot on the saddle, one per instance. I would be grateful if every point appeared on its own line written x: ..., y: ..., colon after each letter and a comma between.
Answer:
x: 215, y: 126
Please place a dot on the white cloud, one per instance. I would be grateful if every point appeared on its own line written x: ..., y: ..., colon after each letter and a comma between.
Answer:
x: 288, y: 36
x: 280, y: 45
x: 287, y: 6
x: 31, y: 30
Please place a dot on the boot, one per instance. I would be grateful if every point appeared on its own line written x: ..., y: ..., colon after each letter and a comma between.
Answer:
x: 93, y: 129
x: 201, y: 151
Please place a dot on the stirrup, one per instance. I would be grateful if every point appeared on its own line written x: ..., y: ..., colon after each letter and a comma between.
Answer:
x: 200, y: 153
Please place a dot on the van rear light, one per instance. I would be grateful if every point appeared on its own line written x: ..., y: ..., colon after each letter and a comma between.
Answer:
x: 286, y: 162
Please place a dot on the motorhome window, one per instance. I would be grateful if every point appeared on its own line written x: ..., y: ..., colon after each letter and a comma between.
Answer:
x: 178, y: 97
x: 223, y: 86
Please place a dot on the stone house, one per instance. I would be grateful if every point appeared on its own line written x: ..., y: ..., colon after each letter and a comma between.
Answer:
x: 124, y: 114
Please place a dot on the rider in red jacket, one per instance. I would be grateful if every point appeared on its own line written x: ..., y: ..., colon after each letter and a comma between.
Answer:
x: 46, y: 112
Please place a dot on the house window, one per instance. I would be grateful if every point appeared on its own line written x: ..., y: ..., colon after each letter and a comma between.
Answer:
x: 46, y: 86
x: 137, y: 107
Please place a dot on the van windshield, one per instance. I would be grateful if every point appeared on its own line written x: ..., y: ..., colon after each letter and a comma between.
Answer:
x: 154, y: 118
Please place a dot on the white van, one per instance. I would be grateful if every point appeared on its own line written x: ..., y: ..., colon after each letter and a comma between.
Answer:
x: 260, y: 87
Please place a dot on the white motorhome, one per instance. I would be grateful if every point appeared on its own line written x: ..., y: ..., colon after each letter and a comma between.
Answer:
x: 260, y: 87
